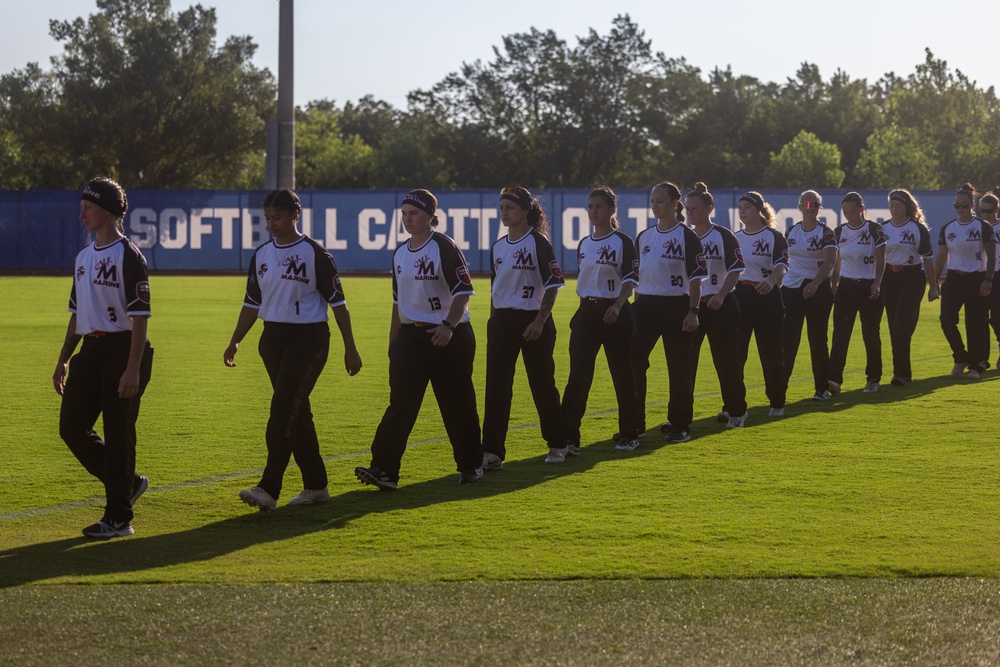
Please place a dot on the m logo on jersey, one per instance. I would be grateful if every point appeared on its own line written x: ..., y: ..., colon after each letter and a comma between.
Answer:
x: 107, y: 273
x: 296, y: 270
x: 907, y: 237
x: 711, y: 250
x: 425, y: 269
x: 815, y: 243
x: 973, y: 235
x: 523, y: 261
x: 262, y: 270
x: 607, y: 255
x: 761, y: 247
x: 672, y: 250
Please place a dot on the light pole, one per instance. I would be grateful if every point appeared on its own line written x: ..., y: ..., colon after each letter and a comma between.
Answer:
x: 286, y: 96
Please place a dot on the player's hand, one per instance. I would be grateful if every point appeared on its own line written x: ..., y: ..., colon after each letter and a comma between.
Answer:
x: 764, y: 287
x: 986, y: 288
x: 933, y: 293
x: 876, y: 291
x: 533, y: 330
x: 809, y: 290
x: 59, y: 378
x: 715, y: 302
x: 128, y: 386
x: 441, y: 336
x: 229, y: 356
x: 352, y: 362
x: 690, y: 323
x: 611, y: 314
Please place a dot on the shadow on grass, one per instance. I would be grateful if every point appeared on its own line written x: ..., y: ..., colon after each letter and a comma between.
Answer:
x: 81, y: 557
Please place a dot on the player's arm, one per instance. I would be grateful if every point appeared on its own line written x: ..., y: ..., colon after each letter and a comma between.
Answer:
x: 69, y: 346
x: 534, y: 329
x: 612, y: 313
x: 352, y: 360
x: 728, y: 285
x: 128, y: 386
x: 879, y: 271
x: 244, y: 323
x: 932, y: 282
x: 690, y: 322
x: 835, y: 276
x: 940, y: 262
x: 441, y: 335
x: 394, y: 323
x: 830, y: 254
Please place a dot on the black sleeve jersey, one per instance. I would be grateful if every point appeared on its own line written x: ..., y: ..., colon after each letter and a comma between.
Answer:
x: 722, y: 257
x: 111, y: 285
x: 762, y: 252
x: 293, y: 283
x: 857, y: 249
x: 605, y: 264
x: 906, y: 244
x: 668, y: 260
x: 522, y: 270
x: 964, y: 241
x: 426, y: 279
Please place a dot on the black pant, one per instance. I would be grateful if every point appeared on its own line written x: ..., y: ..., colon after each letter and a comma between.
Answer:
x: 294, y: 356
x: 963, y: 290
x: 91, y: 390
x: 761, y: 315
x: 656, y: 317
x: 722, y: 328
x: 588, y: 333
x: 995, y: 306
x: 504, y: 341
x: 413, y: 362
x: 815, y: 311
x: 901, y: 294
x: 854, y: 298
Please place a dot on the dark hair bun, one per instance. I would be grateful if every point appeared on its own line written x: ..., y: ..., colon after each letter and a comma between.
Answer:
x: 700, y: 187
x: 968, y: 187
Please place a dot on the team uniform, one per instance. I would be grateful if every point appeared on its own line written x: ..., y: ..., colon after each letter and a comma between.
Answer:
x: 805, y: 255
x: 995, y: 292
x: 290, y: 287
x: 966, y: 243
x: 425, y: 280
x: 723, y: 256
x: 903, y: 286
x: 605, y: 265
x: 853, y: 298
x: 668, y: 262
x: 761, y: 315
x: 110, y: 286
x: 521, y: 271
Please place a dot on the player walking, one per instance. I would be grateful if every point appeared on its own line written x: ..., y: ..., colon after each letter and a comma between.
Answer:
x: 966, y: 247
x: 857, y: 279
x: 719, y: 318
x: 290, y: 282
x: 525, y: 281
x: 110, y: 309
x: 667, y: 305
x: 607, y: 264
x: 806, y: 291
x: 430, y: 340
x: 988, y: 206
x: 757, y: 292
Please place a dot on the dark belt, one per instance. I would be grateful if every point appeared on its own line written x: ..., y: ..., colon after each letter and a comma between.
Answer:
x: 896, y: 268
x: 964, y: 273
x: 856, y: 280
x: 99, y: 334
x: 752, y: 283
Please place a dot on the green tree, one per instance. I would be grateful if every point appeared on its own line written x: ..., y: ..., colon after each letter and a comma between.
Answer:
x: 805, y: 162
x: 145, y: 96
x: 324, y: 157
x: 898, y: 157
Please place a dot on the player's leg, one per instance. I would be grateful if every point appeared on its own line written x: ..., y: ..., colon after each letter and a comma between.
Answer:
x: 817, y: 310
x: 618, y: 350
x: 503, y: 344
x: 678, y: 346
x: 845, y: 310
x: 584, y: 344
x: 451, y: 379
x: 540, y: 367
x: 648, y: 328
x: 305, y: 449
x: 723, y: 338
x: 791, y: 326
x: 977, y: 326
x: 870, y: 311
x: 80, y: 408
x: 768, y: 322
x: 952, y: 298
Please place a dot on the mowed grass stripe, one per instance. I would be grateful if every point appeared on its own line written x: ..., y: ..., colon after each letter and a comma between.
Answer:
x: 901, y: 482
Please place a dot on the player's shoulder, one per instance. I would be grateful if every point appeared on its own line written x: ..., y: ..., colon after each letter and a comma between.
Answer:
x: 723, y: 231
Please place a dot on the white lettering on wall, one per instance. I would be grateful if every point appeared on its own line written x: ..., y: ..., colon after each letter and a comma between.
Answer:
x: 173, y: 219
x: 143, y: 230
x: 458, y: 215
x: 575, y: 227
x: 641, y: 216
x: 367, y: 239
x: 331, y: 242
x: 254, y: 228
x: 199, y: 228
x: 227, y: 217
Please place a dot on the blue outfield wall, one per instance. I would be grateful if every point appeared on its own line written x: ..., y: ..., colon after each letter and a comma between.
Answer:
x: 200, y: 230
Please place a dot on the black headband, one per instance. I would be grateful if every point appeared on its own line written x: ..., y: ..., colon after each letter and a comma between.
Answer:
x: 755, y: 199
x: 519, y: 196
x: 896, y: 196
x: 104, y: 195
x: 421, y: 201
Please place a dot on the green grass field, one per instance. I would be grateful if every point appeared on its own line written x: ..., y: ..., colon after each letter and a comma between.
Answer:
x: 804, y: 539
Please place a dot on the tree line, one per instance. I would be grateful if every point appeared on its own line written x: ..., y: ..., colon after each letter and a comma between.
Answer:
x: 148, y: 97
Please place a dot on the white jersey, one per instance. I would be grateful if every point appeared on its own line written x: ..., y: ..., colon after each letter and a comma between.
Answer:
x: 426, y: 279
x: 906, y: 244
x: 996, y: 239
x: 521, y: 271
x: 668, y: 260
x: 964, y: 241
x: 110, y: 285
x: 762, y: 251
x: 605, y: 264
x: 722, y: 256
x: 293, y: 283
x: 805, y: 252
x: 857, y: 249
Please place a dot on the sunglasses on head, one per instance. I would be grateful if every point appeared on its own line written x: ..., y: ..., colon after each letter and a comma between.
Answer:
x: 960, y: 206
x: 808, y: 205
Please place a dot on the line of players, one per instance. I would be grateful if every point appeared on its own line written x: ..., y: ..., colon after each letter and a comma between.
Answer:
x: 675, y: 282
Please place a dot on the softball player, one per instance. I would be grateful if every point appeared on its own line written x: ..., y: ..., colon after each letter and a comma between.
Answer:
x: 856, y: 281
x: 806, y: 291
x: 966, y: 247
x: 757, y: 292
x: 110, y: 309
x: 988, y: 205
x: 607, y: 264
x: 430, y: 340
x: 666, y: 305
x: 290, y: 282
x: 525, y: 281
x: 720, y: 313
x: 907, y: 247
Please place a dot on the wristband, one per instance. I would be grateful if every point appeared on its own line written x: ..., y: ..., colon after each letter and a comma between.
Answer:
x: 448, y: 324
x: 695, y: 309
